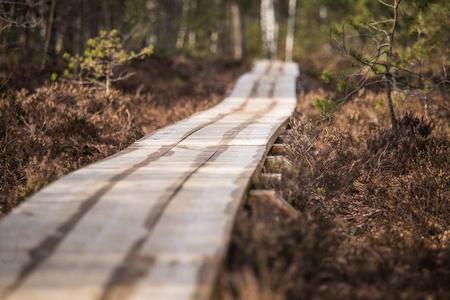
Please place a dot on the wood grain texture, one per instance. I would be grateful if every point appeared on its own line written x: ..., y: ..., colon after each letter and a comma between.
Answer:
x: 153, y: 221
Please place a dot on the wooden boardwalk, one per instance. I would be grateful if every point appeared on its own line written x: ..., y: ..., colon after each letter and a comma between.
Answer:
x: 153, y: 221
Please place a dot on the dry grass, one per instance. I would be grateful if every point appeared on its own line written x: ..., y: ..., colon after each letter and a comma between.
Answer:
x: 374, y: 209
x: 50, y: 129
x: 55, y: 130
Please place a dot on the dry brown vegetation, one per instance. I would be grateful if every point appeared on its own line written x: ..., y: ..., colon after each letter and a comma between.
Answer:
x: 374, y: 211
x: 49, y: 129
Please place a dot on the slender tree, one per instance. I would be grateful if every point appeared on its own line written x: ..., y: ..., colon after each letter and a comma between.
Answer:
x: 184, y: 24
x: 372, y: 45
x: 99, y: 63
x: 48, y: 33
x: 237, y: 31
x: 168, y: 30
x: 290, y: 29
x: 268, y: 28
x: 213, y: 48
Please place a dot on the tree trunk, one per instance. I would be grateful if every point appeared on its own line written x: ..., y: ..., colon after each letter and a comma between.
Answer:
x: 192, y: 36
x: 390, y: 104
x: 26, y: 48
x: 2, y: 44
x: 213, y: 46
x: 290, y: 30
x: 268, y: 28
x: 389, y: 82
x: 237, y: 34
x: 79, y: 29
x: 55, y: 37
x: 108, y: 79
x: 79, y: 36
x: 107, y: 13
x: 184, y: 25
x: 48, y: 33
x: 168, y: 30
x: 152, y: 37
x: 4, y: 39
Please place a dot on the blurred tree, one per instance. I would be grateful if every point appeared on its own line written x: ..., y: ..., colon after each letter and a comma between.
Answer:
x: 202, y: 28
x: 99, y: 62
x: 290, y: 30
x: 48, y: 33
x: 269, y: 28
x: 237, y: 31
x: 19, y: 14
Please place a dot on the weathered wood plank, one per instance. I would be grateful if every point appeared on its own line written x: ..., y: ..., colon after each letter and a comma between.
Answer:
x: 258, y: 196
x: 153, y: 221
x: 278, y: 163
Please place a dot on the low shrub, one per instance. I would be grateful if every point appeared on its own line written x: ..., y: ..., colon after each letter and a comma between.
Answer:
x: 49, y: 129
x: 374, y: 212
x: 55, y: 130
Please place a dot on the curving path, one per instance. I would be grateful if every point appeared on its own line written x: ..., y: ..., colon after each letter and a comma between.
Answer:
x: 153, y: 221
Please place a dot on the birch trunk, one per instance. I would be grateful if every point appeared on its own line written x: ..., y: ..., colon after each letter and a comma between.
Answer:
x: 268, y: 28
x: 290, y: 30
x: 236, y: 24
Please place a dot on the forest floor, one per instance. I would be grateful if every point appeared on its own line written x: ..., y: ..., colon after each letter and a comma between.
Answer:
x: 48, y: 129
x: 374, y: 208
x: 374, y: 211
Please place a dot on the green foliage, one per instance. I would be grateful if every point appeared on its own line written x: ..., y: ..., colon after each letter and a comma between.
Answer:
x: 326, y: 76
x: 324, y: 106
x: 358, y: 25
x: 335, y: 30
x: 423, y: 4
x: 379, y: 103
x: 356, y: 54
x: 342, y: 85
x: 100, y: 59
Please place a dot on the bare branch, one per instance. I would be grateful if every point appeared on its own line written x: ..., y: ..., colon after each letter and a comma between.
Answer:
x: 386, y: 4
x: 416, y: 95
x: 380, y: 22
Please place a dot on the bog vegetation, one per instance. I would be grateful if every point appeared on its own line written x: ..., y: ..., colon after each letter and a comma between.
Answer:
x: 51, y: 129
x: 373, y: 208
x: 370, y: 137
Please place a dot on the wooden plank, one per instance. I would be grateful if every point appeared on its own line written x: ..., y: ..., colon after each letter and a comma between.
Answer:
x: 153, y: 221
x: 266, y: 179
x: 274, y: 164
x: 258, y: 196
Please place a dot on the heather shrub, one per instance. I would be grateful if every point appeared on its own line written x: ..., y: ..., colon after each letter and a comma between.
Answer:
x: 54, y: 130
x: 274, y: 256
x: 49, y: 129
x: 374, y: 211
